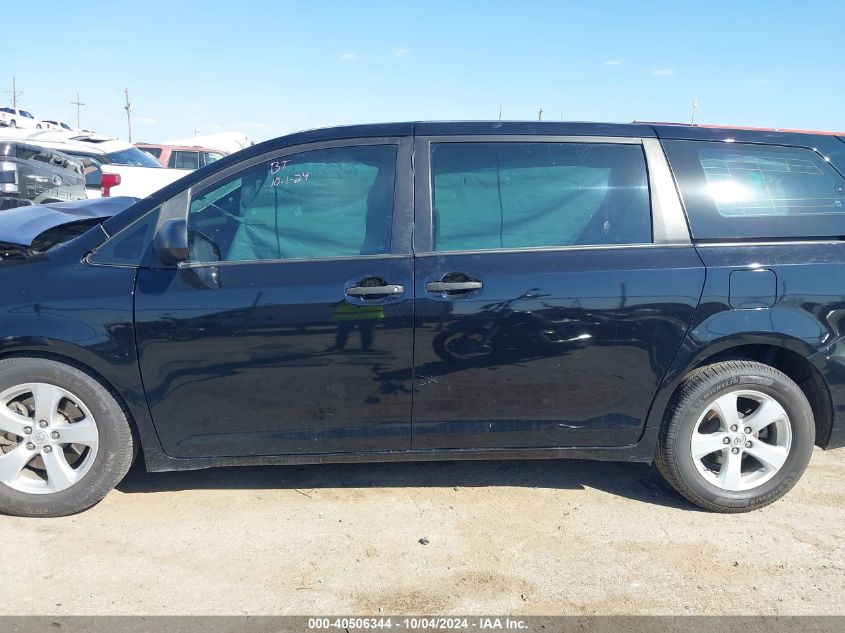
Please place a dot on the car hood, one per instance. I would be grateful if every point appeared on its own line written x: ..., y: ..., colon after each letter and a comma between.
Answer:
x: 22, y: 225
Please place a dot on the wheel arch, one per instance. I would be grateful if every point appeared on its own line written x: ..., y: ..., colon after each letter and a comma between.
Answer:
x: 129, y: 398
x: 786, y: 354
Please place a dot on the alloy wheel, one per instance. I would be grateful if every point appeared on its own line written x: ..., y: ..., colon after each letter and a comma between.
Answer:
x: 742, y: 440
x: 48, y: 438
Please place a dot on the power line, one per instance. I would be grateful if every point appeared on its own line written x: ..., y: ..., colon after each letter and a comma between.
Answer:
x: 78, y: 105
x: 14, y: 93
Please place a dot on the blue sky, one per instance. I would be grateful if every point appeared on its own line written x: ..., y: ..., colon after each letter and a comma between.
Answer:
x: 267, y: 68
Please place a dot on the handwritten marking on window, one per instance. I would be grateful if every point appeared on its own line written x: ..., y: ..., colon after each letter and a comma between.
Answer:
x: 288, y: 178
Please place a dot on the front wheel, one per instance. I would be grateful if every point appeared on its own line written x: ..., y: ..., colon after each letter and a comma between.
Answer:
x: 65, y: 442
x: 736, y: 437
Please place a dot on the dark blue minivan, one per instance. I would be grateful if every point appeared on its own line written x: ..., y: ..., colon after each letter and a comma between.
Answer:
x: 422, y: 291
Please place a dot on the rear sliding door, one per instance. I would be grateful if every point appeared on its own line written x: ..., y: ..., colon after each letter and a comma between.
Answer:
x: 549, y: 301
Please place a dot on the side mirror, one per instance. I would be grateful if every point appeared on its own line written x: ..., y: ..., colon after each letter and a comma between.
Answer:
x: 171, y: 242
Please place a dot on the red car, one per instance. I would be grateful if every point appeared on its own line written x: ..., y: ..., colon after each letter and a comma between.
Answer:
x: 182, y: 156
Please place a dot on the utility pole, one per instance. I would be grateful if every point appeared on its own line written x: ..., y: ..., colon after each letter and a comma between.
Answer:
x: 195, y: 130
x: 694, y: 108
x: 500, y: 112
x: 14, y: 93
x: 128, y: 108
x: 78, y: 105
x: 540, y: 114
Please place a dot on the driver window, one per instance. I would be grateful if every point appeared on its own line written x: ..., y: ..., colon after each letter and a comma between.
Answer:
x: 335, y: 202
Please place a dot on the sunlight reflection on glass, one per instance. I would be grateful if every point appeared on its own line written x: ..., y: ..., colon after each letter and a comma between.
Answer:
x: 728, y: 191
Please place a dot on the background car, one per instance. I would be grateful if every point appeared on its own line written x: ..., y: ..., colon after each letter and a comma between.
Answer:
x: 49, y: 124
x: 15, y: 117
x: 30, y: 174
x: 182, y: 156
x: 36, y: 229
x: 111, y: 166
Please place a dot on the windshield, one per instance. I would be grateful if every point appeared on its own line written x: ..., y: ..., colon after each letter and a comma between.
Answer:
x: 132, y: 156
x: 26, y: 114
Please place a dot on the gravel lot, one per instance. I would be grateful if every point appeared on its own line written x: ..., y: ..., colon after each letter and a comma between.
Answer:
x: 544, y: 537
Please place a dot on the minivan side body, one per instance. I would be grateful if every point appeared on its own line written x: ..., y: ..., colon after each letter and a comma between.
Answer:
x: 433, y: 327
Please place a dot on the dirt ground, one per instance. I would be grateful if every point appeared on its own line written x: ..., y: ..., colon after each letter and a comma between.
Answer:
x: 528, y: 537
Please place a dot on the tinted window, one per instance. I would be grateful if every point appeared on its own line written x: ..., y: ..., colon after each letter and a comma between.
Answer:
x: 734, y: 190
x: 523, y: 195
x: 8, y: 110
x: 153, y: 151
x: 131, y: 156
x: 92, y: 171
x: 210, y: 157
x: 26, y: 152
x: 184, y: 160
x: 324, y: 203
x: 131, y: 245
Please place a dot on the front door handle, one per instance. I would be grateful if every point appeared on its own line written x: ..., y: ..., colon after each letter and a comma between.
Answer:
x: 452, y: 286
x: 376, y: 291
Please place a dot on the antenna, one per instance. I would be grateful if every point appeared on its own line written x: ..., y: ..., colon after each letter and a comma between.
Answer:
x: 14, y: 93
x: 128, y: 108
x: 78, y: 105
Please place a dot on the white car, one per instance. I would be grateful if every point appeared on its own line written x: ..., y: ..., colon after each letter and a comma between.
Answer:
x: 15, y: 117
x: 50, y: 124
x: 112, y: 167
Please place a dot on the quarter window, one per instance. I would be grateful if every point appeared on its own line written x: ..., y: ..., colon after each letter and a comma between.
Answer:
x: 524, y: 195
x: 743, y: 191
x: 334, y: 202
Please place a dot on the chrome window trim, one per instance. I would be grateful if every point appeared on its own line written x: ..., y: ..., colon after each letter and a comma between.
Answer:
x: 298, y: 260
x: 769, y: 242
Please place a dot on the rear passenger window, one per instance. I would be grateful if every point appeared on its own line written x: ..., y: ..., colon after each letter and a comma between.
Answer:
x: 745, y: 191
x: 526, y: 195
x: 184, y: 160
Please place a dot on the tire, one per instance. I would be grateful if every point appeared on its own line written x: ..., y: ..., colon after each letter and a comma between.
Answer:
x: 13, y: 123
x: 731, y: 478
x: 38, y: 126
x: 103, y: 448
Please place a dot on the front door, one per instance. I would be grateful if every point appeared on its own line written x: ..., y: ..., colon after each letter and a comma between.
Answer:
x: 289, y: 330
x: 546, y: 314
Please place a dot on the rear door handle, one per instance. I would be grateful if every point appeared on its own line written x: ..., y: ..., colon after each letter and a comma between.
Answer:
x: 452, y: 286
x: 373, y: 291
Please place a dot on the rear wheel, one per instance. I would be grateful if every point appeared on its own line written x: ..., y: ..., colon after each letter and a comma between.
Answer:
x: 736, y: 437
x: 13, y: 123
x: 65, y: 442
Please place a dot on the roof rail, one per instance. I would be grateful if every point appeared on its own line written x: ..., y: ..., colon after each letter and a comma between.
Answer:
x: 741, y: 127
